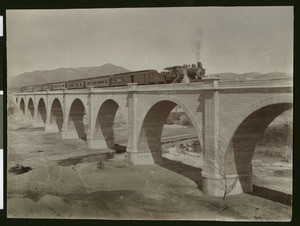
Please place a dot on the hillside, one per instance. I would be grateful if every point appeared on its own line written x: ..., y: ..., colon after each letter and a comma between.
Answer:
x: 65, y: 74
x: 251, y: 75
x: 61, y: 74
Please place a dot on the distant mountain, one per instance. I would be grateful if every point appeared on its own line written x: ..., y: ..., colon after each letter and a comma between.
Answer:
x: 251, y: 75
x: 61, y: 74
x: 65, y: 74
x: 274, y: 74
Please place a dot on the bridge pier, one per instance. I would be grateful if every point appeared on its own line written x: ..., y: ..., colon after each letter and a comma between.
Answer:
x: 214, y: 178
x: 99, y: 137
x: 98, y: 143
x: 214, y: 184
x: 69, y: 134
x: 51, y: 128
x: 28, y: 117
x: 36, y: 123
x: 27, y: 120
x: 134, y: 155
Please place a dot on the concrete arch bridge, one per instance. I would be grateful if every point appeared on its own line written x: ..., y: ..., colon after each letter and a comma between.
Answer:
x: 229, y: 118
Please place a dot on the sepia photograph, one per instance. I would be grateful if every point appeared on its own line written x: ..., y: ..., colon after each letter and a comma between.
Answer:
x: 162, y: 113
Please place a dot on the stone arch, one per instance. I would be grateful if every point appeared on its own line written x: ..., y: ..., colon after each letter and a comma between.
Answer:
x: 41, y: 110
x: 75, y: 119
x: 186, y: 109
x: 56, y: 114
x: 153, y: 123
x: 70, y: 100
x: 22, y: 105
x: 30, y: 107
x: 105, y: 120
x: 51, y: 99
x: 250, y: 127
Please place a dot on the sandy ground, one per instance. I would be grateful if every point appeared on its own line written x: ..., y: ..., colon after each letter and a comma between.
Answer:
x: 65, y: 182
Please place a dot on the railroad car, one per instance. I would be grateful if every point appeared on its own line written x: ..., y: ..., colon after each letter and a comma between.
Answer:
x: 46, y: 87
x: 59, y: 86
x: 120, y: 79
x: 23, y: 89
x: 144, y: 77
x: 98, y: 81
x: 29, y: 89
x: 76, y: 84
x: 38, y: 88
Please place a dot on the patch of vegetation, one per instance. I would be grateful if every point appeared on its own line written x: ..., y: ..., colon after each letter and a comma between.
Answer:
x: 100, y: 164
x: 178, y: 118
x: 277, y: 135
x: 276, y: 142
x: 189, y: 146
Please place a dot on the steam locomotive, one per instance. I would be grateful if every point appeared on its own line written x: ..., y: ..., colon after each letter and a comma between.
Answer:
x: 175, y: 74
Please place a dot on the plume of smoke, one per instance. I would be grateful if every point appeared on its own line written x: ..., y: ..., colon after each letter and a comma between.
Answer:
x: 198, y: 49
x: 197, y: 43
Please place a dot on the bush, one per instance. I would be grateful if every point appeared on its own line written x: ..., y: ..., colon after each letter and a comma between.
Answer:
x: 184, y: 120
x: 179, y: 118
x: 173, y: 118
x: 277, y: 135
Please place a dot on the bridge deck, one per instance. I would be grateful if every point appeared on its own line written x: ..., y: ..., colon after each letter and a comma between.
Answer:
x: 220, y: 85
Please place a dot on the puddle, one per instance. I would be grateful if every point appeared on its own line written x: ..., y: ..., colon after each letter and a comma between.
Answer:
x: 85, y: 159
x: 19, y: 169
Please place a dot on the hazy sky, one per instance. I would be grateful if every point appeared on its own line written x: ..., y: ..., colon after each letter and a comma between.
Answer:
x: 231, y: 39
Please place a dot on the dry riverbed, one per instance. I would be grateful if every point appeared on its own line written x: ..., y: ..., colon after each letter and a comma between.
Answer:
x: 66, y: 181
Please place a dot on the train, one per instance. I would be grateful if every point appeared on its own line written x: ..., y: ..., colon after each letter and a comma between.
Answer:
x: 174, y: 74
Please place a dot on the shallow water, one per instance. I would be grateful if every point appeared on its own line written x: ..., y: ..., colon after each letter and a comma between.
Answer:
x: 85, y: 159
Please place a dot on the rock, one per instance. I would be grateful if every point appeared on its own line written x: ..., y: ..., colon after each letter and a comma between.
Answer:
x: 19, y: 169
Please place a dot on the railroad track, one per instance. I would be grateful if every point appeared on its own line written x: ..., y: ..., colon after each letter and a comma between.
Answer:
x: 172, y: 139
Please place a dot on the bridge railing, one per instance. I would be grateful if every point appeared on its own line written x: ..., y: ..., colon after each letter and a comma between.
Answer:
x: 274, y: 82
x: 203, y: 85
